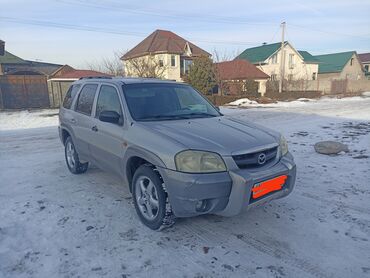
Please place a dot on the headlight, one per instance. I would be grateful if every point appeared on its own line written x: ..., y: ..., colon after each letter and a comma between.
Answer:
x: 199, y: 162
x: 283, y: 146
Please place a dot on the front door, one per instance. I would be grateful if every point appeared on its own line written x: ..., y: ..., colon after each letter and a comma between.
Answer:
x: 107, y: 146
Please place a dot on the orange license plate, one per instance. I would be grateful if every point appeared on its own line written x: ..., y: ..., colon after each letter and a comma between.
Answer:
x: 265, y: 187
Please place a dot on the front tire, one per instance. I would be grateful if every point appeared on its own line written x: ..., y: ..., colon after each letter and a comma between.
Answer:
x: 150, y: 199
x: 73, y: 162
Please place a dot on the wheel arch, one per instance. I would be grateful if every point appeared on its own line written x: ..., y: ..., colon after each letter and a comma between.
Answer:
x: 134, y: 158
x: 65, y: 132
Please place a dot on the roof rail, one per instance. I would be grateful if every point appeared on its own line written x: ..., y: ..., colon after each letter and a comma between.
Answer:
x: 96, y: 77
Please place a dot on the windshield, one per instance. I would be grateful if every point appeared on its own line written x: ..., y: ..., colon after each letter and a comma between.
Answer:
x: 149, y: 102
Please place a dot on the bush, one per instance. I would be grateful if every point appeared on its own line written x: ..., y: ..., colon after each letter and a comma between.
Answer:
x: 202, y: 75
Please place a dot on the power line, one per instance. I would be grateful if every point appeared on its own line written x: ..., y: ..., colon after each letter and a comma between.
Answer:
x: 168, y: 13
x: 198, y: 17
x: 104, y: 30
x: 273, y: 37
x: 68, y: 26
x: 327, y: 32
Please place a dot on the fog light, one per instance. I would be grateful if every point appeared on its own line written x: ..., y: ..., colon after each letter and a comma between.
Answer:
x: 201, y: 206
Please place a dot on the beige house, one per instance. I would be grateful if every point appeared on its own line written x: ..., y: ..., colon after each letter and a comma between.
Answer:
x: 162, y: 54
x: 298, y: 65
x: 344, y: 65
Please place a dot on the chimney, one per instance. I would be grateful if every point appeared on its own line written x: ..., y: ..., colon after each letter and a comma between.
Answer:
x: 264, y: 43
x: 2, y: 48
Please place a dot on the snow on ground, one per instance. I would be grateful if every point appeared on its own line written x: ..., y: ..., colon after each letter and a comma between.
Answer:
x: 324, y: 102
x: 244, y: 102
x: 28, y: 119
x: 55, y: 224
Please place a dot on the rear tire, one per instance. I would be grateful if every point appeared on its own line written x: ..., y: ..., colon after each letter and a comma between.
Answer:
x: 73, y: 162
x: 150, y: 199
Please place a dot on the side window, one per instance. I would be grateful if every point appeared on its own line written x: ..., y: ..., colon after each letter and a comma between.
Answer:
x: 86, y: 99
x: 108, y: 100
x: 71, y: 93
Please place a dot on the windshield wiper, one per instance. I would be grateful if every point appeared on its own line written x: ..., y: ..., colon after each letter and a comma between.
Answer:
x: 160, y: 117
x: 203, y: 114
x: 176, y: 116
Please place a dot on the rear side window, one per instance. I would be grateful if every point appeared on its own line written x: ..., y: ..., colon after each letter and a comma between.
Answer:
x: 86, y: 99
x: 108, y: 100
x: 70, y: 95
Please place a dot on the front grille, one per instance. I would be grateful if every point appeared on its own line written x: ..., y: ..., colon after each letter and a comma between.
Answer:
x: 254, y: 160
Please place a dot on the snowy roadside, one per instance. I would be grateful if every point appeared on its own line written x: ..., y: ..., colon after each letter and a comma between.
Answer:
x: 11, y: 120
x: 55, y: 224
x: 302, y: 102
x: 25, y: 119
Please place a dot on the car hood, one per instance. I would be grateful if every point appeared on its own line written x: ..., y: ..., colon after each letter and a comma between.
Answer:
x: 224, y: 135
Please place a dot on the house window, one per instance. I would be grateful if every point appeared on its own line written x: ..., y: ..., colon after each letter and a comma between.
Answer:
x: 352, y: 61
x: 185, y: 66
x: 291, y: 61
x: 274, y: 59
x: 160, y: 63
x: 273, y: 77
x: 366, y: 68
x: 314, y: 76
x: 290, y: 77
x: 173, y: 61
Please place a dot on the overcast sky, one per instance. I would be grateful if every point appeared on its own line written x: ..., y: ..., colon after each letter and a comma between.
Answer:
x: 50, y: 30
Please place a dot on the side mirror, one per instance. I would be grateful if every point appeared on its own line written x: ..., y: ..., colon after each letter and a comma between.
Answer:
x: 109, y: 117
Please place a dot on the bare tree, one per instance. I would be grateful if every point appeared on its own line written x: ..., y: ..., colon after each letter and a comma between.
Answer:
x: 225, y: 55
x: 147, y: 66
x: 227, y: 86
x: 112, y: 65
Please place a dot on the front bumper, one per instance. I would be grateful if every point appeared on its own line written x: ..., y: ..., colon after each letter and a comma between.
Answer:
x: 227, y: 193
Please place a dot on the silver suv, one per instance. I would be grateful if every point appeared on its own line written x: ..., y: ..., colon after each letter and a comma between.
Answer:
x: 177, y: 153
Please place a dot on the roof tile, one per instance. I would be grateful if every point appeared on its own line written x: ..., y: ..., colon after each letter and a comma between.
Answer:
x: 333, y: 62
x: 10, y: 58
x: 260, y: 53
x: 364, y: 57
x: 162, y: 41
x: 77, y: 74
x: 239, y: 69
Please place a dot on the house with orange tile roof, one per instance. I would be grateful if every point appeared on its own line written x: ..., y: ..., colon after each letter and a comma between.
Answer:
x: 237, y: 72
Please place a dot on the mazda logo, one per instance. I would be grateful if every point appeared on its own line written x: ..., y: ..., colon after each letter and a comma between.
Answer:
x: 261, y: 159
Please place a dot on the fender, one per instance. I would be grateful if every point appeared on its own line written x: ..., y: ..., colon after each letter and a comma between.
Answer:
x: 145, y: 154
x: 69, y: 130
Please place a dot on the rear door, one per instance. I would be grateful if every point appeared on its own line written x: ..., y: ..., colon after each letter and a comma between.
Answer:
x: 83, y: 120
x: 108, y: 144
x: 66, y: 114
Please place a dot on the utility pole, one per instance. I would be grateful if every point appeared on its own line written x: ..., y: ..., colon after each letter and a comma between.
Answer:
x: 282, y: 58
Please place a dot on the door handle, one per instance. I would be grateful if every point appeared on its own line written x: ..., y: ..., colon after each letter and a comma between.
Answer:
x: 94, y: 128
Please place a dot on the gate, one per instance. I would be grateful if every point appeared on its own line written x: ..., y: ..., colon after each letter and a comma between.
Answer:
x: 23, y: 91
x: 339, y: 86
